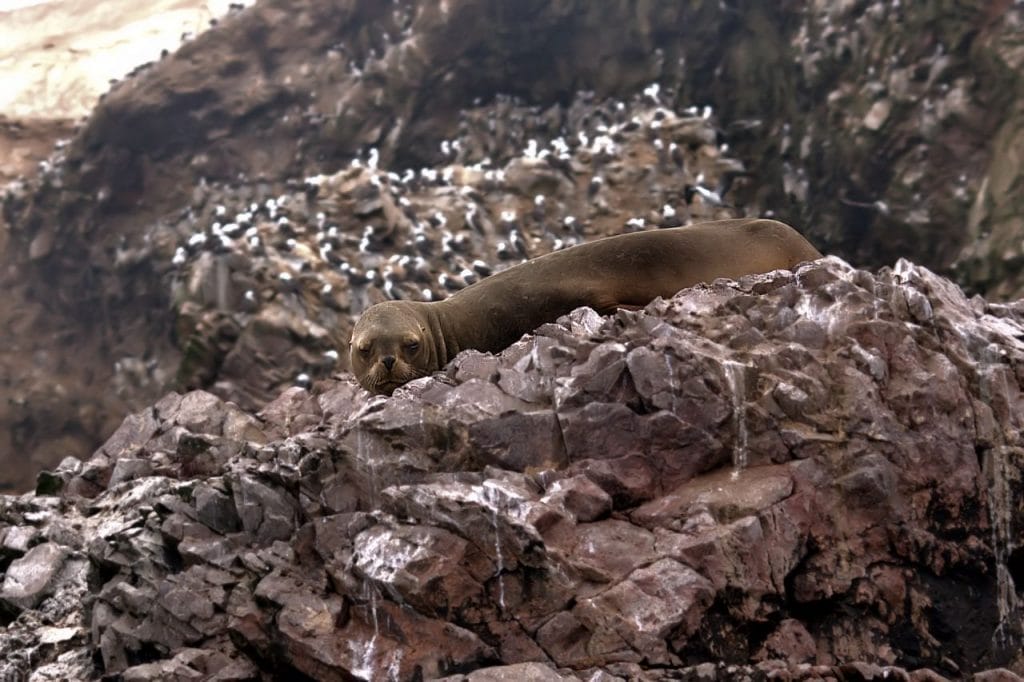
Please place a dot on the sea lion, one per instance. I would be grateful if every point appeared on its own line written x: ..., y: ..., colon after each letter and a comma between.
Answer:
x: 397, y: 341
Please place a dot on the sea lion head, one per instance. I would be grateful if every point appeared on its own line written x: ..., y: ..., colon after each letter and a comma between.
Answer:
x: 390, y: 346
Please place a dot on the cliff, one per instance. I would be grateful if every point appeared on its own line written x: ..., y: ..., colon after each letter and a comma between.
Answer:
x: 882, y: 131
x: 799, y: 475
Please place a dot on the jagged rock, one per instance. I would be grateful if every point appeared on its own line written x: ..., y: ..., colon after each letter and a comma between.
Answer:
x: 579, y: 496
x: 803, y: 475
x: 31, y: 578
x: 853, y: 483
x: 191, y: 664
x: 662, y: 601
x: 17, y: 539
x: 510, y: 673
x: 265, y: 511
x: 253, y: 313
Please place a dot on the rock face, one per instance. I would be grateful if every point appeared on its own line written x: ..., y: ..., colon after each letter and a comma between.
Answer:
x: 804, y: 474
x: 883, y: 130
x: 800, y: 475
x: 59, y: 56
x: 264, y: 285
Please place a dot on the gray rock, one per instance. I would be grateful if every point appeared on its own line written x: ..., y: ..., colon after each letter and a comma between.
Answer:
x: 17, y: 539
x: 31, y: 578
x: 216, y: 509
x: 264, y: 510
x: 127, y: 469
x: 511, y: 673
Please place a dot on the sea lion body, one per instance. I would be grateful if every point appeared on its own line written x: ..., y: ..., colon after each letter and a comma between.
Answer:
x: 397, y: 341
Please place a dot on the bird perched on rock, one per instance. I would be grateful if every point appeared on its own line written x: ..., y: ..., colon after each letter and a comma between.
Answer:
x: 669, y: 218
x: 450, y: 282
x: 481, y: 268
x: 538, y: 208
x: 715, y: 197
x: 508, y: 221
x: 518, y: 244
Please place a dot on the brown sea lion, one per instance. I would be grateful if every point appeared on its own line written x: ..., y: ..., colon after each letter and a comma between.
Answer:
x: 398, y: 341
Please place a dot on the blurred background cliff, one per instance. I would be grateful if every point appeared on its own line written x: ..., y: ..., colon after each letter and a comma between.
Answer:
x: 881, y: 130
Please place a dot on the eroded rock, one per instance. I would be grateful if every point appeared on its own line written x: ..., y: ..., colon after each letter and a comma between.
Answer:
x: 846, y: 492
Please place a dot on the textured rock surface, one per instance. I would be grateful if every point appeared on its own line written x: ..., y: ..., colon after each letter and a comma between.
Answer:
x: 798, y: 476
x: 883, y: 130
x: 807, y: 475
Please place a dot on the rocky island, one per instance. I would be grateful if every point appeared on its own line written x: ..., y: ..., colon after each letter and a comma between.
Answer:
x: 806, y: 474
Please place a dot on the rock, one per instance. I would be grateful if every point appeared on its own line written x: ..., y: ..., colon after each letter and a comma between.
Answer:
x: 510, y: 673
x: 216, y: 510
x: 425, y: 567
x: 878, y: 114
x: 693, y: 513
x: 190, y: 664
x: 665, y: 597
x: 790, y: 642
x: 499, y: 441
x: 946, y: 106
x: 18, y: 539
x: 31, y: 578
x: 128, y: 469
x: 997, y: 675
x: 581, y: 497
x: 808, y: 474
x: 132, y: 435
x: 264, y: 510
x: 726, y: 495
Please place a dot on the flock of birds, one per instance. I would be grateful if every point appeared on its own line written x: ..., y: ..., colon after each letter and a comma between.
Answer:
x: 514, y: 183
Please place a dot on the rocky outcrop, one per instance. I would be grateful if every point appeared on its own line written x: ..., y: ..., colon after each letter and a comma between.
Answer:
x: 803, y: 474
x: 264, y: 286
x: 886, y: 109
x: 870, y: 126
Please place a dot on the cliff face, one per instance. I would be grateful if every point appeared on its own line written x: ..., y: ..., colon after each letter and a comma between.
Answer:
x: 892, y: 137
x: 883, y: 131
x: 813, y: 473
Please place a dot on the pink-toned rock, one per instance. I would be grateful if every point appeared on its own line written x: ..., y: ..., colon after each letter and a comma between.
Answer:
x: 996, y: 675
x: 791, y: 642
x: 726, y: 495
x: 294, y: 411
x: 579, y: 496
x: 577, y: 507
x: 650, y: 603
x: 425, y: 567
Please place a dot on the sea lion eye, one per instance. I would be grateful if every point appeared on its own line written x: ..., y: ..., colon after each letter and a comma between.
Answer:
x: 412, y: 346
x: 364, y: 350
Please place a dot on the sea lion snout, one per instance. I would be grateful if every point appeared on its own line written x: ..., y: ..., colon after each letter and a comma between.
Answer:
x: 389, y: 361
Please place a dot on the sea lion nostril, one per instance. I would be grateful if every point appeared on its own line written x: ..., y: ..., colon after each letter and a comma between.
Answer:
x: 388, y: 360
